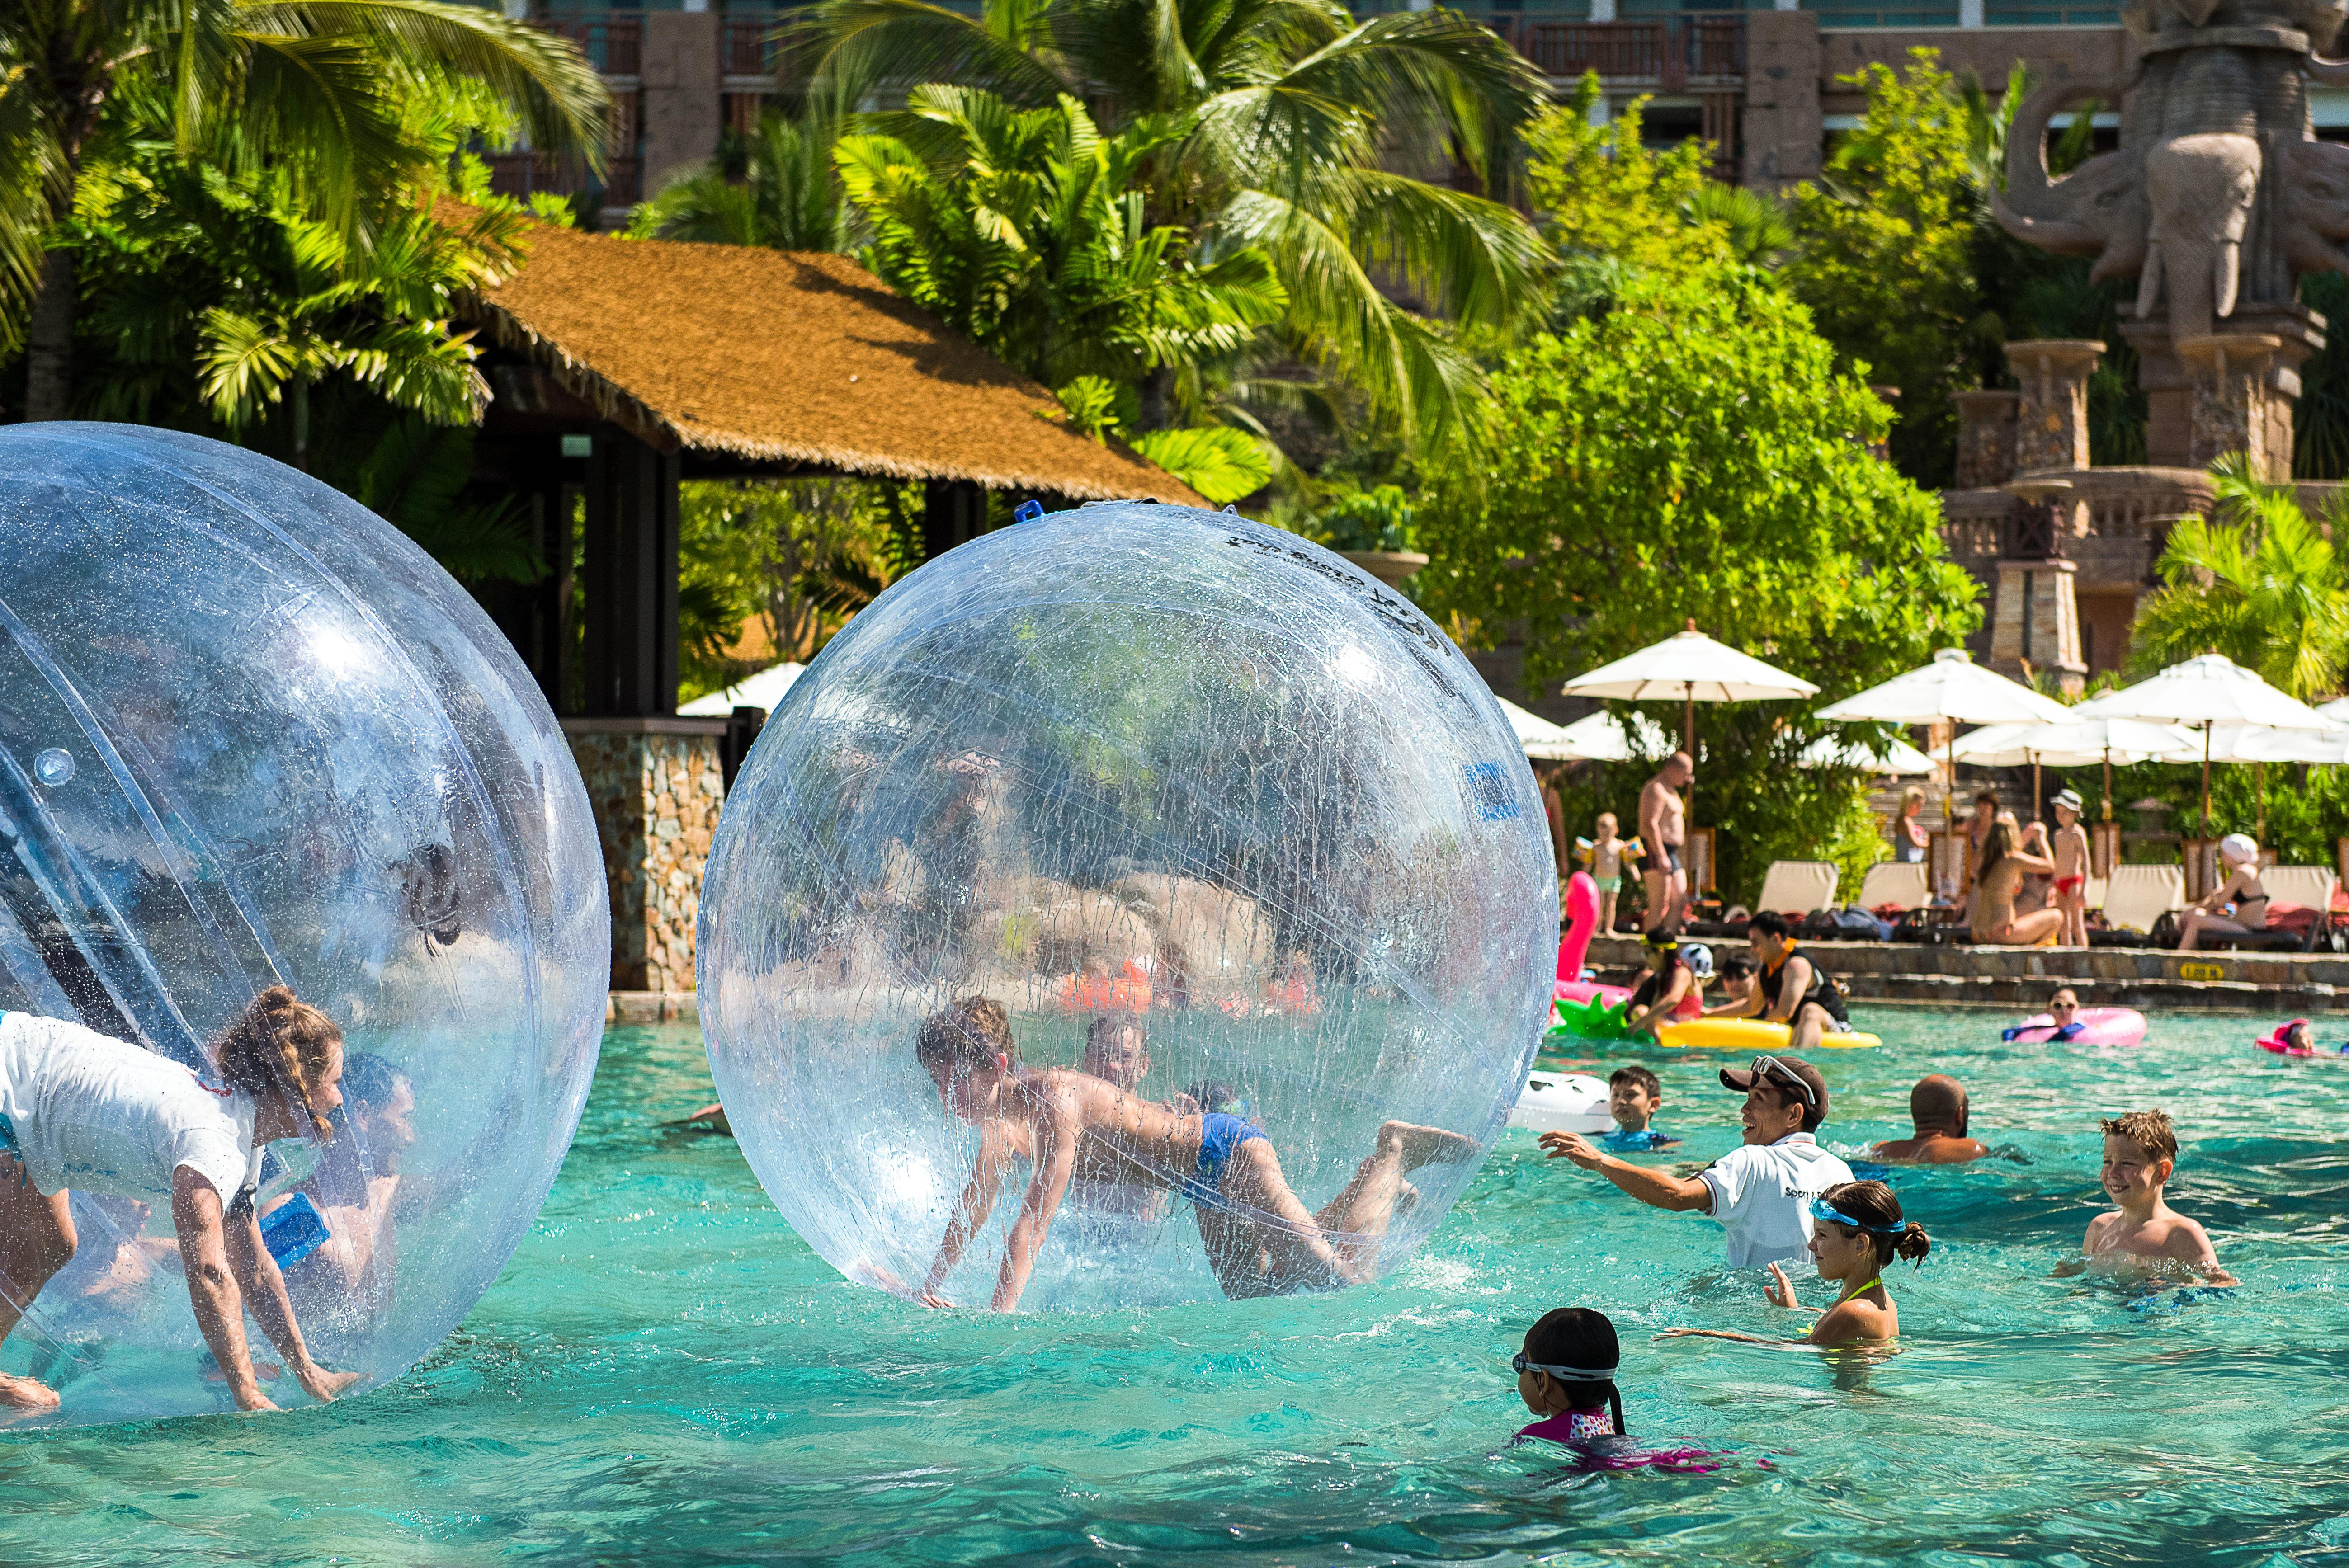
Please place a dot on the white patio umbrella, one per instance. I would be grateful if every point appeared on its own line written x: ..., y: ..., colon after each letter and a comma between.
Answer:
x: 2207, y: 692
x: 2337, y: 708
x: 1951, y: 690
x: 1602, y: 738
x: 1693, y: 668
x: 764, y: 690
x: 1897, y: 757
x: 1540, y: 738
x: 2075, y: 743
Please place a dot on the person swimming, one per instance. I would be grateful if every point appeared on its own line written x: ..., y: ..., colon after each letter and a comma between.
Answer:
x: 1857, y: 1230
x: 1259, y: 1238
x: 1567, y: 1373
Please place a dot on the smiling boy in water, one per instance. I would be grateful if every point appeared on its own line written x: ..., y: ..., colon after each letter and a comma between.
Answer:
x: 2140, y: 1156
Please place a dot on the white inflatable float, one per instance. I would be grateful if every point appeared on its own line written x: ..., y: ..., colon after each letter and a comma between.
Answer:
x: 1562, y: 1103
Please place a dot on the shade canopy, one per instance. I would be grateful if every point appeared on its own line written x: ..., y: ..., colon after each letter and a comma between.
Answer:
x: 764, y: 690
x: 2258, y: 743
x: 1897, y: 757
x: 1602, y: 738
x: 2338, y: 709
x: 1689, y: 666
x: 1540, y: 738
x: 1952, y: 689
x: 2078, y: 743
x: 2212, y: 689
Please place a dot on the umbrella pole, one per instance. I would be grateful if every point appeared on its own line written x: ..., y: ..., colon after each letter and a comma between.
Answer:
x: 1950, y: 801
x: 2260, y: 783
x: 2206, y: 778
x: 2037, y: 795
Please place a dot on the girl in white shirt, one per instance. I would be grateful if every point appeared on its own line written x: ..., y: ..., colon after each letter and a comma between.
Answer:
x: 78, y: 1110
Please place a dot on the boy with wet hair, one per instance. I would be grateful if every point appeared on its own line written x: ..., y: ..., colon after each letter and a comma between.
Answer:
x: 2144, y: 1232
x: 1633, y: 1094
x: 1939, y: 1110
x: 1071, y: 1127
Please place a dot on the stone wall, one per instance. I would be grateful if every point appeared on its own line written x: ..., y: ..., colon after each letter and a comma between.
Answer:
x: 656, y: 797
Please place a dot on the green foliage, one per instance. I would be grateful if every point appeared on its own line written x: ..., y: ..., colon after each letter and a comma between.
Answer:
x: 780, y: 567
x: 2261, y: 584
x: 315, y: 93
x: 777, y: 189
x: 1221, y: 463
x: 1603, y: 196
x: 1287, y: 111
x: 2321, y: 421
x: 1379, y: 518
x: 1025, y: 230
x: 1096, y: 406
x: 1884, y: 263
x: 414, y: 478
x: 1693, y: 452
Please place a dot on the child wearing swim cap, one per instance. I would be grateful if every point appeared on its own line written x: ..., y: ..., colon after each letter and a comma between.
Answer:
x: 1566, y: 1376
x: 1857, y: 1230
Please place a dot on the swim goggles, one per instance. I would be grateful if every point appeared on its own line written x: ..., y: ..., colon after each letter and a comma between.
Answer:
x: 1518, y: 1364
x: 1820, y: 1209
x: 1764, y: 1066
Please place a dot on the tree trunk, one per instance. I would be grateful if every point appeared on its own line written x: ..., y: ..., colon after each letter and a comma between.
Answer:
x: 48, y: 349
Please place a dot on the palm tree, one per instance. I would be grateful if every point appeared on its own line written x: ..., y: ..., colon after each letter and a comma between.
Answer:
x: 312, y: 88
x: 786, y: 194
x: 2263, y: 585
x: 1287, y: 107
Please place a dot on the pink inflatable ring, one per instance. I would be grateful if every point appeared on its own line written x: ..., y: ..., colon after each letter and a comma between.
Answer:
x: 2093, y: 1027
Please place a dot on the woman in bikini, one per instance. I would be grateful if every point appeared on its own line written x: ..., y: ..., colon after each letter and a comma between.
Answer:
x: 2004, y: 864
x: 1261, y: 1239
x: 2238, y: 854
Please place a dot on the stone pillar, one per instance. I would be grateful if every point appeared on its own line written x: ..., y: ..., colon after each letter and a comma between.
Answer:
x: 2238, y: 404
x: 2035, y: 622
x: 1985, y: 439
x: 681, y: 81
x: 1785, y: 129
x: 654, y: 786
x: 2051, y: 422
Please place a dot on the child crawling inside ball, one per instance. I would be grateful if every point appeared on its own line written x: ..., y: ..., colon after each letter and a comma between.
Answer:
x: 1070, y: 1126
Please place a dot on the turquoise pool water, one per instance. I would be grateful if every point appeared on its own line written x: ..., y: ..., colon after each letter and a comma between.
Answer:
x: 665, y: 1375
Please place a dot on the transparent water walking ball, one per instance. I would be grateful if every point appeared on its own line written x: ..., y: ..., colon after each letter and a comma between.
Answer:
x: 1204, y: 808
x: 250, y: 734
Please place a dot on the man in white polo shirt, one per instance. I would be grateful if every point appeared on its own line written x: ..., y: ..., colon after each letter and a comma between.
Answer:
x: 1760, y: 1191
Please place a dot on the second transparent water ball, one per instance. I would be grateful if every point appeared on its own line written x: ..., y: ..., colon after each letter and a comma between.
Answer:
x: 1213, y: 818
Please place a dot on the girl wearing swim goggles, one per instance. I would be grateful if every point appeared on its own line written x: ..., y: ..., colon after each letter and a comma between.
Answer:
x: 1857, y: 1230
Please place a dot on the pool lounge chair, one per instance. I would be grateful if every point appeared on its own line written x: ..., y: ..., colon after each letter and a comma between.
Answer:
x: 2135, y: 898
x: 2311, y: 887
x: 1791, y: 887
x: 1896, y: 884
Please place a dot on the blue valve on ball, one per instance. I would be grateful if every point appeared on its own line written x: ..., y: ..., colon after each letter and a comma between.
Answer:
x: 1028, y: 511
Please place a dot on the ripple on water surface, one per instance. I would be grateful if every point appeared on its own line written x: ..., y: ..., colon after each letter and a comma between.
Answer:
x: 665, y: 1375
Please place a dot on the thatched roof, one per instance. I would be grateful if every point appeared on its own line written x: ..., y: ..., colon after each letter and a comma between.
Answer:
x: 777, y: 357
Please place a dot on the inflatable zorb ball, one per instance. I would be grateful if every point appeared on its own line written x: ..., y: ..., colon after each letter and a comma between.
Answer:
x: 1128, y: 763
x: 251, y: 734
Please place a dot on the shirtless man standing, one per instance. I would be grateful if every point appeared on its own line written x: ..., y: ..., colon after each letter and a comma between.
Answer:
x: 1070, y: 1126
x: 1661, y: 832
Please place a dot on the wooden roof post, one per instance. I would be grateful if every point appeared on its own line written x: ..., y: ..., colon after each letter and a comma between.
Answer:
x: 954, y: 512
x: 630, y: 572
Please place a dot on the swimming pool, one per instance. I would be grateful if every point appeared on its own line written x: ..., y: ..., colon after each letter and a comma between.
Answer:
x: 665, y: 1375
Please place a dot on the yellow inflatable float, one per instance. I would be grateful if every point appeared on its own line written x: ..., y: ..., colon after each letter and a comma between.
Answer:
x: 1752, y: 1035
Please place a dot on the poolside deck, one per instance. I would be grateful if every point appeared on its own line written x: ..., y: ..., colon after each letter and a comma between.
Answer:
x: 1900, y: 972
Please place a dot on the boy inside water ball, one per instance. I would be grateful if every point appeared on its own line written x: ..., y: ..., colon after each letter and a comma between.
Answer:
x: 1071, y: 1126
x: 2144, y: 1235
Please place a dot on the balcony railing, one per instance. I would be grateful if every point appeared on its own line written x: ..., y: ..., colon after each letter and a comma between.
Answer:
x: 612, y: 44
x: 528, y: 173
x: 1671, y: 51
x: 746, y: 48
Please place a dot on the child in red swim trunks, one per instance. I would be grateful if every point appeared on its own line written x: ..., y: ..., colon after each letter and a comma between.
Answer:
x: 2067, y: 846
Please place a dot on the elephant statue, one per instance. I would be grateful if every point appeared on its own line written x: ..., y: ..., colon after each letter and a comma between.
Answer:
x: 2200, y: 190
x: 2314, y: 221
x: 2098, y: 209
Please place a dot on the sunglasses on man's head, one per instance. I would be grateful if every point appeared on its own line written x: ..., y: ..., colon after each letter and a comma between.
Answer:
x: 1764, y: 1066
